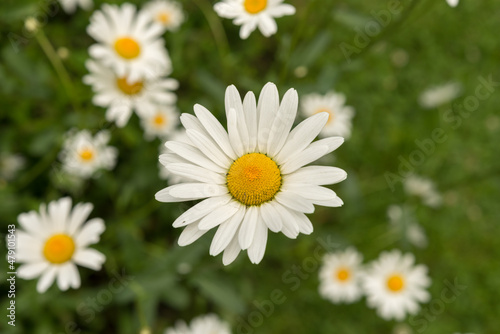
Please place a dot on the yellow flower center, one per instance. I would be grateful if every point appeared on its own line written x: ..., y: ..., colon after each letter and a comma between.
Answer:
x: 253, y: 179
x: 343, y: 274
x: 59, y: 248
x: 330, y: 114
x: 127, y: 88
x: 164, y: 18
x: 127, y: 48
x: 395, y: 283
x: 159, y: 120
x: 255, y: 6
x: 86, y: 154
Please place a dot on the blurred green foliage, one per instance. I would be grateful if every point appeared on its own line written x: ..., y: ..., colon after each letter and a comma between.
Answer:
x: 167, y: 282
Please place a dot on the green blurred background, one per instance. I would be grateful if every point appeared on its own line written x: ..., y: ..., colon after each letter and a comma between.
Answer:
x: 427, y: 44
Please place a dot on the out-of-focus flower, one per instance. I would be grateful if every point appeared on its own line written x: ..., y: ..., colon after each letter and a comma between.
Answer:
x: 252, y: 179
x: 83, y: 155
x: 452, y: 3
x: 128, y: 42
x: 395, y: 286
x: 10, y: 165
x: 31, y: 24
x: 121, y: 97
x: 52, y: 242
x: 439, y: 95
x: 69, y: 6
x: 167, y: 13
x: 340, y: 116
x: 209, y: 323
x: 251, y: 14
x: 159, y: 122
x: 340, y: 276
x: 423, y: 188
x: 404, y: 222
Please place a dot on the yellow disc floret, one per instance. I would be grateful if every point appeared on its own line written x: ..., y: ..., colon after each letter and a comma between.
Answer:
x: 254, y: 179
x: 86, y: 154
x: 159, y: 120
x: 395, y: 283
x: 330, y: 114
x: 59, y: 248
x: 129, y: 88
x: 255, y: 6
x: 343, y: 274
x: 127, y: 48
x: 164, y: 18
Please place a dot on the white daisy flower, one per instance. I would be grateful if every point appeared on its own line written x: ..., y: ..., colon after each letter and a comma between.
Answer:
x: 439, y: 95
x: 340, y: 276
x: 340, y: 116
x: 395, y: 286
x: 128, y: 42
x: 53, y: 241
x: 209, y: 323
x: 83, y: 155
x: 167, y: 13
x: 403, y: 221
x: 159, y: 122
x: 253, y: 178
x: 423, y: 188
x: 121, y: 96
x: 251, y: 14
x: 452, y: 3
x: 69, y: 6
x: 10, y: 165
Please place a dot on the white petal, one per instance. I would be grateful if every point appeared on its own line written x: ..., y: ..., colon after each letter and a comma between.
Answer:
x: 318, y: 175
x: 193, y: 155
x: 197, y: 190
x: 32, y: 270
x: 200, y: 210
x: 290, y: 227
x: 234, y: 135
x: 250, y: 111
x: 190, y: 234
x: 89, y: 258
x: 90, y: 233
x: 64, y: 276
x: 209, y: 148
x: 32, y: 224
x: 247, y: 229
x: 305, y: 225
x: 226, y: 232
x: 59, y: 212
x: 80, y: 213
x: 258, y: 247
x: 47, y: 279
x: 232, y: 250
x: 266, y: 109
x: 283, y: 122
x: 294, y: 201
x: 196, y: 173
x: 271, y: 217
x: 219, y: 215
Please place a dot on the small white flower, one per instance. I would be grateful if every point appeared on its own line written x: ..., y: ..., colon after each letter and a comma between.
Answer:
x: 340, y: 276
x: 252, y: 178
x: 83, y: 155
x: 69, y: 6
x: 167, y: 13
x: 439, y: 95
x: 452, y: 3
x: 423, y: 188
x: 52, y: 242
x: 159, y: 122
x: 10, y: 165
x: 209, y: 323
x: 395, y: 286
x: 251, y: 14
x: 340, y: 116
x: 121, y: 96
x: 128, y: 42
x: 404, y: 223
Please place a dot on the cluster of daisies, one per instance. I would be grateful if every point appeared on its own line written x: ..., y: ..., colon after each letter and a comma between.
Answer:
x: 393, y: 284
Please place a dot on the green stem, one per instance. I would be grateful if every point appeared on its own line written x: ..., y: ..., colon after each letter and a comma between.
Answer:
x: 216, y: 28
x: 57, y: 64
x: 139, y: 292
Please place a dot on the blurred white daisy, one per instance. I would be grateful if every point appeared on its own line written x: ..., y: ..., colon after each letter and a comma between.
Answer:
x: 53, y: 241
x: 452, y: 3
x: 439, y: 95
x: 403, y: 221
x: 159, y: 122
x: 209, y: 323
x: 251, y: 14
x: 69, y: 6
x: 167, y: 13
x: 128, y: 42
x: 83, y: 154
x: 423, y: 188
x: 395, y: 286
x: 340, y: 116
x: 10, y: 165
x: 340, y: 276
x: 121, y: 96
x: 253, y: 178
